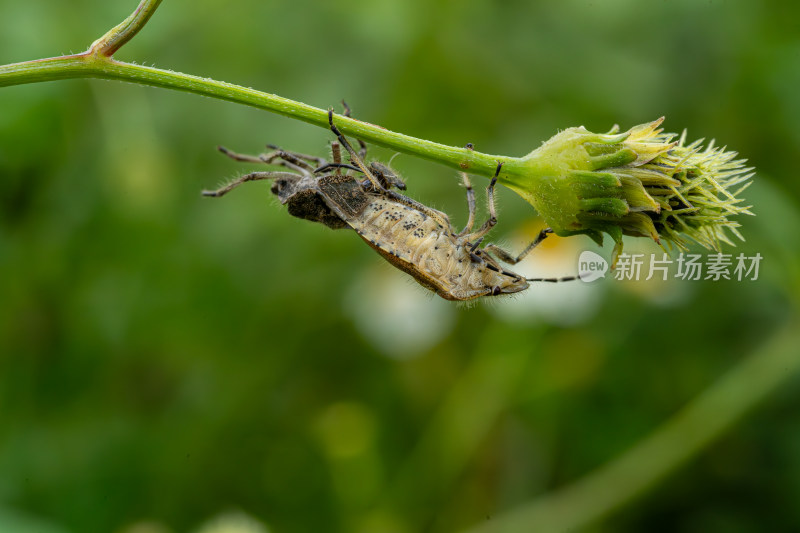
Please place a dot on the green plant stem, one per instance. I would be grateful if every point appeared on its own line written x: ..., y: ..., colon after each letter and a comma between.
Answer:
x: 97, y: 62
x: 687, y: 433
x: 120, y: 34
x: 484, y: 390
x: 89, y: 65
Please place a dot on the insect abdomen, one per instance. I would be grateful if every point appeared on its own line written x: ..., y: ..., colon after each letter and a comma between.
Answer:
x: 417, y: 244
x: 399, y: 230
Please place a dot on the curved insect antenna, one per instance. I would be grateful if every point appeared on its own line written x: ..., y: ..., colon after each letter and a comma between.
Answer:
x: 327, y: 166
x: 553, y: 280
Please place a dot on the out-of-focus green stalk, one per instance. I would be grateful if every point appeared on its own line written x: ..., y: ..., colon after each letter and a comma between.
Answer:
x: 484, y: 390
x: 678, y: 440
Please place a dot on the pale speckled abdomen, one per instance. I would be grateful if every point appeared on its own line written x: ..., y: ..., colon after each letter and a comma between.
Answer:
x: 421, y: 246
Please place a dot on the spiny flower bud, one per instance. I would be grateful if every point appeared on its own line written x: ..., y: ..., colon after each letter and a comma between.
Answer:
x: 639, y: 183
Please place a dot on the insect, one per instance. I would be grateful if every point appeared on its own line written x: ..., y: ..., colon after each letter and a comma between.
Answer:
x: 413, y: 237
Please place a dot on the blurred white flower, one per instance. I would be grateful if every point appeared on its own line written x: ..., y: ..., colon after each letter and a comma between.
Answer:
x: 395, y: 315
x: 232, y: 522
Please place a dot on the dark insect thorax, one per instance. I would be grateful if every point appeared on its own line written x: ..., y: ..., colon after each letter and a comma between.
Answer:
x: 345, y: 195
x: 309, y: 205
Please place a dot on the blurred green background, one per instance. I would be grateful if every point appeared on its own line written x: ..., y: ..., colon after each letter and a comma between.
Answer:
x: 166, y: 358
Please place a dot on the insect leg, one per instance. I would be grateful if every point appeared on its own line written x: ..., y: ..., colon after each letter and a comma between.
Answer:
x: 506, y: 257
x: 353, y: 155
x: 336, y: 154
x: 240, y: 157
x: 492, y: 220
x: 440, y: 217
x: 470, y: 199
x: 253, y: 176
x: 312, y: 158
x: 362, y: 151
x: 288, y: 160
x: 470, y: 203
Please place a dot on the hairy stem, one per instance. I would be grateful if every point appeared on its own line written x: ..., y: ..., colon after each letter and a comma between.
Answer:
x: 96, y: 62
x: 123, y: 32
